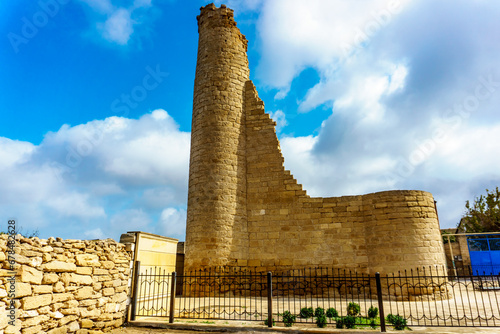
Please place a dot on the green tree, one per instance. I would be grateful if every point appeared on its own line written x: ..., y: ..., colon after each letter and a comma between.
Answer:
x: 483, y: 215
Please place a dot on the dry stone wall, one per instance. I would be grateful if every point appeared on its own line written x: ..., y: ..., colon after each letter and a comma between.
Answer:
x: 64, y: 286
x: 245, y: 209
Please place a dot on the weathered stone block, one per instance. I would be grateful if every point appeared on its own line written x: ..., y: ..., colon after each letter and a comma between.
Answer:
x: 108, y: 291
x: 108, y: 264
x: 87, y: 302
x: 59, y: 266
x: 70, y: 311
x: 87, y: 260
x: 64, y: 320
x: 119, y: 297
x: 28, y: 314
x: 32, y: 330
x: 99, y: 271
x: 73, y: 326
x: 61, y: 297
x: 84, y: 293
x: 86, y: 323
x: 30, y: 275
x: 41, y: 289
x: 84, y: 270
x: 34, y: 321
x: 58, y: 287
x: 50, y: 278
x: 92, y: 314
x: 56, y: 315
x: 33, y: 302
x: 81, y: 279
x: 23, y: 289
x: 71, y: 304
x: 59, y: 330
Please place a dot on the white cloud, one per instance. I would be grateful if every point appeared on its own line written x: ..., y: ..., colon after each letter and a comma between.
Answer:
x: 94, y: 234
x: 117, y: 23
x: 102, y: 177
x: 297, y: 34
x: 118, y: 27
x: 172, y: 223
x: 395, y: 90
x: 130, y: 220
x: 280, y: 118
x: 13, y: 151
x: 73, y: 204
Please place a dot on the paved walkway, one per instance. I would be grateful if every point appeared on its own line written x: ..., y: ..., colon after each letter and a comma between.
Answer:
x: 246, y: 328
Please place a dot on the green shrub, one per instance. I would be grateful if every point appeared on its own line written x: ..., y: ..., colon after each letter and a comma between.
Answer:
x: 340, y: 323
x: 373, y: 324
x: 321, y: 321
x: 372, y: 312
x: 390, y: 318
x: 319, y: 312
x: 353, y: 309
x: 266, y: 322
x: 349, y: 321
x: 288, y: 319
x: 397, y: 321
x: 306, y: 312
x: 332, y: 313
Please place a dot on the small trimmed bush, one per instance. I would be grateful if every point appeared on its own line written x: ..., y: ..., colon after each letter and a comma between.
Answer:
x: 390, y: 318
x: 306, y: 312
x: 353, y: 309
x: 397, y: 321
x: 372, y: 312
x: 321, y: 321
x: 266, y: 322
x: 288, y: 319
x: 373, y: 324
x: 340, y: 323
x: 319, y: 312
x: 332, y: 313
x: 349, y: 321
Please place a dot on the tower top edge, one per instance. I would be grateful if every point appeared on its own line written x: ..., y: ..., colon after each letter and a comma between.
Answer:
x: 216, y: 16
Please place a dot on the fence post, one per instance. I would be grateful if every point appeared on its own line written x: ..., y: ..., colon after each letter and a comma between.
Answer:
x: 172, y: 298
x: 269, y: 299
x: 380, y: 302
x: 135, y: 284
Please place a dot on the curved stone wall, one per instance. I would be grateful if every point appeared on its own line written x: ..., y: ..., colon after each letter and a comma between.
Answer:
x: 217, y: 184
x: 402, y: 231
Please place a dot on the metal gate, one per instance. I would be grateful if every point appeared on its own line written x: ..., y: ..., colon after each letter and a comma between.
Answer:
x: 152, y: 293
x: 484, y: 256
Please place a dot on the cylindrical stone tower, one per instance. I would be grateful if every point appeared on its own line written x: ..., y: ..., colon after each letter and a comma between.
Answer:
x: 402, y: 231
x: 217, y: 182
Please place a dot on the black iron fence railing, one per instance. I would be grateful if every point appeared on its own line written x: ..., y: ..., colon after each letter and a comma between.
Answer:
x: 422, y: 297
x: 474, y: 270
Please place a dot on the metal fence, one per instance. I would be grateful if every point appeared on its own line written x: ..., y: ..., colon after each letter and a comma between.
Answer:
x: 474, y: 270
x: 424, y: 297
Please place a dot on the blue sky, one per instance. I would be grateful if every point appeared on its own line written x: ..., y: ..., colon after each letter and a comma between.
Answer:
x: 96, y: 99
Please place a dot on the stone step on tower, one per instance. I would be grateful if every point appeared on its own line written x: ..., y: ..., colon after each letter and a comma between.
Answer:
x: 217, y: 173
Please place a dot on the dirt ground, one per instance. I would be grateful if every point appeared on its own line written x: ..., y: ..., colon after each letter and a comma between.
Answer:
x: 236, y: 328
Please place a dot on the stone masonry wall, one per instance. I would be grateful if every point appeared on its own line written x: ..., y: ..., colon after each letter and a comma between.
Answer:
x: 385, y: 232
x: 65, y: 286
x: 245, y: 209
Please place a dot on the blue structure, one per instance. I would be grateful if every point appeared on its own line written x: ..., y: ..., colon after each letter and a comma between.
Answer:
x: 484, y: 256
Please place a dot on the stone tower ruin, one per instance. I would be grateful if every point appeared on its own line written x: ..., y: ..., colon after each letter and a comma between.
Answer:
x: 245, y: 209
